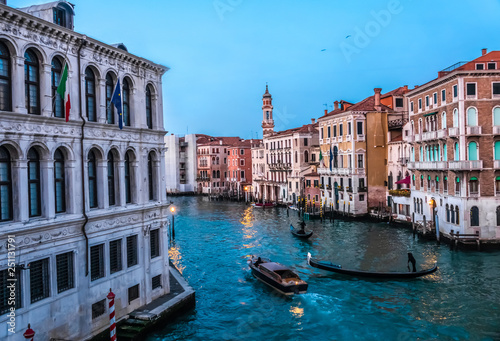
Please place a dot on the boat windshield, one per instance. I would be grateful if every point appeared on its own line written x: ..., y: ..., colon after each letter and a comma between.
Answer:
x: 287, y: 274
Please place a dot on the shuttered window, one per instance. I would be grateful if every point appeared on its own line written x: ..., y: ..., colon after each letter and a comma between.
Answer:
x: 115, y: 256
x: 132, y: 251
x: 65, y: 273
x: 155, y: 243
x: 39, y: 280
x: 96, y: 262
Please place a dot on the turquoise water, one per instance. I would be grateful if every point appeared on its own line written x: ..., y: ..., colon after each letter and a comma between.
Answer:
x: 213, y: 240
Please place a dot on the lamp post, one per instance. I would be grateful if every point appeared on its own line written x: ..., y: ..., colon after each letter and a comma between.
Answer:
x: 172, y: 210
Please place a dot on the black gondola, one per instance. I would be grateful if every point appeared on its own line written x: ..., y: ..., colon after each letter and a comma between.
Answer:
x: 296, y: 233
x: 372, y: 274
x: 277, y: 276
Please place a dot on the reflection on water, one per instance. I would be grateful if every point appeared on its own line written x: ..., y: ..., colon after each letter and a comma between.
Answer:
x: 215, y: 239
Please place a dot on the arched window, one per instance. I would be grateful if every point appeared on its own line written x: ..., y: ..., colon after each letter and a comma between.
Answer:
x: 443, y: 120
x: 496, y: 116
x: 92, y: 169
x: 452, y: 214
x: 472, y: 151
x: 447, y: 213
x: 126, y: 102
x: 90, y: 101
x: 110, y: 108
x: 498, y: 215
x: 34, y: 183
x: 497, y: 150
x: 472, y: 117
x: 128, y: 185
x: 474, y: 216
x: 218, y: 174
x: 445, y: 153
x: 5, y: 185
x: 457, y: 152
x: 149, y: 107
x: 5, y: 79
x: 306, y: 156
x: 473, y: 185
x: 150, y: 177
x: 59, y: 182
x: 31, y: 82
x: 457, y: 218
x: 57, y: 101
x: 455, y: 118
x: 111, y: 180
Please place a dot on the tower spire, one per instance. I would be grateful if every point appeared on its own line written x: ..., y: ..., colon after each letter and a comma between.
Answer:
x: 267, y: 113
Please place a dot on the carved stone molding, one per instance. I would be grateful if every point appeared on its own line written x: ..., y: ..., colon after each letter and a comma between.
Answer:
x: 40, y: 237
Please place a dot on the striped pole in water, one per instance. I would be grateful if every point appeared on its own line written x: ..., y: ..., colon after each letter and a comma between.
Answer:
x: 112, y: 323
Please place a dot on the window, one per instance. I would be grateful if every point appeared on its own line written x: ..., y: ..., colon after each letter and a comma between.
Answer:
x: 329, y: 132
x: 445, y: 184
x: 455, y: 118
x: 435, y: 98
x: 308, y: 183
x: 419, y: 104
x: 98, y: 308
x: 96, y: 262
x: 360, y: 160
x: 360, y: 128
x: 5, y: 291
x: 473, y: 185
x: 496, y: 89
x: 472, y: 117
x: 411, y: 106
x: 155, y: 243
x: 479, y: 66
x: 39, y: 280
x: 443, y: 95
x: 115, y: 256
x: 110, y: 108
x: 59, y: 16
x: 457, y: 215
x: 156, y: 282
x: 242, y: 162
x: 92, y: 169
x: 457, y: 152
x: 242, y: 174
x: 313, y: 157
x: 111, y: 180
x: 5, y: 79
x: 57, y: 101
x: 349, y: 128
x: 35, y: 204
x: 242, y: 151
x: 126, y: 102
x: 341, y: 129
x: 65, y: 273
x: 471, y: 89
x: 455, y: 91
x: 361, y: 197
x: 492, y: 66
x: 443, y: 120
x: 90, y: 101
x: 59, y: 182
x: 426, y: 101
x: 457, y: 186
x: 128, y: 185
x: 149, y: 107
x: 305, y: 141
x: 472, y: 151
x: 5, y: 186
x: 399, y: 102
x: 133, y: 293
x: 498, y: 215
x: 31, y: 82
x: 150, y: 176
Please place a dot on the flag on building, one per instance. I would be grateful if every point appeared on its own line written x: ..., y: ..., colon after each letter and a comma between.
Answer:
x: 331, y: 158
x: 63, y: 91
x: 321, y: 161
x: 117, y: 101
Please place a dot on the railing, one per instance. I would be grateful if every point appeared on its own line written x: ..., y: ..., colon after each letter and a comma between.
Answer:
x: 400, y: 192
x: 453, y: 67
x: 340, y: 188
x: 348, y: 138
x: 410, y: 138
x: 496, y: 164
x: 348, y: 189
x: 333, y: 139
x: 205, y: 178
x: 474, y: 130
x: 442, y: 133
x: 328, y: 140
x: 362, y: 189
x: 466, y: 165
x: 496, y: 130
x: 361, y: 137
x: 438, y: 165
x: 453, y: 132
x: 322, y: 186
x: 339, y: 139
x: 418, y: 137
x: 429, y: 135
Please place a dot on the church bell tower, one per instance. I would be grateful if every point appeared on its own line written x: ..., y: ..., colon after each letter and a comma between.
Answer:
x: 267, y: 113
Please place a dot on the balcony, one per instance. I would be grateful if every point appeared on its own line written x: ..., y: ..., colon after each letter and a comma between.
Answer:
x: 453, y: 132
x: 322, y: 186
x: 404, y: 160
x: 496, y: 164
x: 474, y: 130
x: 400, y: 192
x: 327, y: 141
x: 182, y: 156
x: 362, y: 189
x: 465, y: 165
x: 430, y: 165
x: 348, y: 189
x: 203, y: 178
x: 339, y: 139
x: 410, y: 138
x: 418, y: 137
x: 361, y: 138
x: 429, y: 135
x: 333, y: 139
x: 496, y: 130
x: 442, y: 133
x: 348, y: 138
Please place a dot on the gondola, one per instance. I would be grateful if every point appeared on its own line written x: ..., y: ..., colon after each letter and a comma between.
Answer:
x: 372, y: 274
x: 300, y: 235
x: 277, y: 276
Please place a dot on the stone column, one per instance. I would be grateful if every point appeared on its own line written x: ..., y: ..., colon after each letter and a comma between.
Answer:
x: 46, y: 91
x: 135, y: 182
x: 102, y: 184
x: 72, y: 186
x: 100, y: 99
x: 18, y: 95
x: 47, y: 188
x: 20, y: 190
x: 120, y: 180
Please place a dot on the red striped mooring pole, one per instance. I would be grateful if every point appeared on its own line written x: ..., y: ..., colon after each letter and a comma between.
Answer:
x: 29, y: 334
x: 112, y: 324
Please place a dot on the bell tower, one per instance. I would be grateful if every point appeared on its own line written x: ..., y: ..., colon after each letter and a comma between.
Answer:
x: 267, y: 113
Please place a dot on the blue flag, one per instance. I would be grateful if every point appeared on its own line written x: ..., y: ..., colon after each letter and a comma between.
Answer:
x: 117, y: 101
x: 331, y: 158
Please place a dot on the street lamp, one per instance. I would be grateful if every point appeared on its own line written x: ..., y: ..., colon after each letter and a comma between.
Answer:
x: 172, y: 210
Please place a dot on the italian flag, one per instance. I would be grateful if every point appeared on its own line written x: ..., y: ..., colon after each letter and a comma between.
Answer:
x: 63, y: 91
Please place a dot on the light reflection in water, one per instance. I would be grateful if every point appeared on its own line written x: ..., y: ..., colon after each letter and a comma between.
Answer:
x: 174, y: 253
x: 297, y: 312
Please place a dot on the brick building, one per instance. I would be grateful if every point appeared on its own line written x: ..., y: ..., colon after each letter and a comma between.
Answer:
x: 239, y: 175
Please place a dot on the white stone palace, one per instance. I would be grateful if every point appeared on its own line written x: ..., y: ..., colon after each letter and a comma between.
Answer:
x: 84, y: 200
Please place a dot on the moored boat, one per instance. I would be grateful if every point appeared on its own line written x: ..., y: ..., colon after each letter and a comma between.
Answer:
x: 277, y: 276
x: 372, y: 274
x: 263, y: 205
x: 297, y: 233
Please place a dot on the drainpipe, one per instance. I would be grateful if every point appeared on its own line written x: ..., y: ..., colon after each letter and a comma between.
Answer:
x: 83, y: 42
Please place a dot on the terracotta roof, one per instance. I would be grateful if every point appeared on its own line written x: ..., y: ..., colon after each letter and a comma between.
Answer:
x: 311, y: 174
x: 303, y: 129
x: 368, y: 104
x: 396, y: 92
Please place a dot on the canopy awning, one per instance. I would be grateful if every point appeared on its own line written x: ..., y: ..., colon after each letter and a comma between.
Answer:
x: 404, y: 181
x: 431, y: 113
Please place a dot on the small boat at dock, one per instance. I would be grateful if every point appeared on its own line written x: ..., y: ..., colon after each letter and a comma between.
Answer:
x: 263, y: 205
x: 372, y: 274
x: 297, y: 233
x: 277, y: 276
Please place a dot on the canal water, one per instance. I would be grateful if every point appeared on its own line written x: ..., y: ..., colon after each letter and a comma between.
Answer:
x: 213, y: 240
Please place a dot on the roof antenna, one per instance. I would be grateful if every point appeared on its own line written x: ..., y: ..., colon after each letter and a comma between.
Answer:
x: 326, y: 106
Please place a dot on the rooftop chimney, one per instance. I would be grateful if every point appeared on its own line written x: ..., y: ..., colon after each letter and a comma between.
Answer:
x: 377, y: 96
x: 335, y: 105
x: 484, y: 51
x: 326, y: 111
x: 405, y: 87
x: 313, y: 120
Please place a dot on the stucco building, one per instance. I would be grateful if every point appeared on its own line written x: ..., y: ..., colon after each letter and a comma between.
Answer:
x: 84, y: 199
x: 181, y: 163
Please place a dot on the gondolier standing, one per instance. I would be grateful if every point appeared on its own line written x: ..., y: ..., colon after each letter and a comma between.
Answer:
x: 302, y: 227
x: 411, y: 260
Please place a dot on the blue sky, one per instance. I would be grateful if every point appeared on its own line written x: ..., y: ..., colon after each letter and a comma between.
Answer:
x: 222, y: 52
